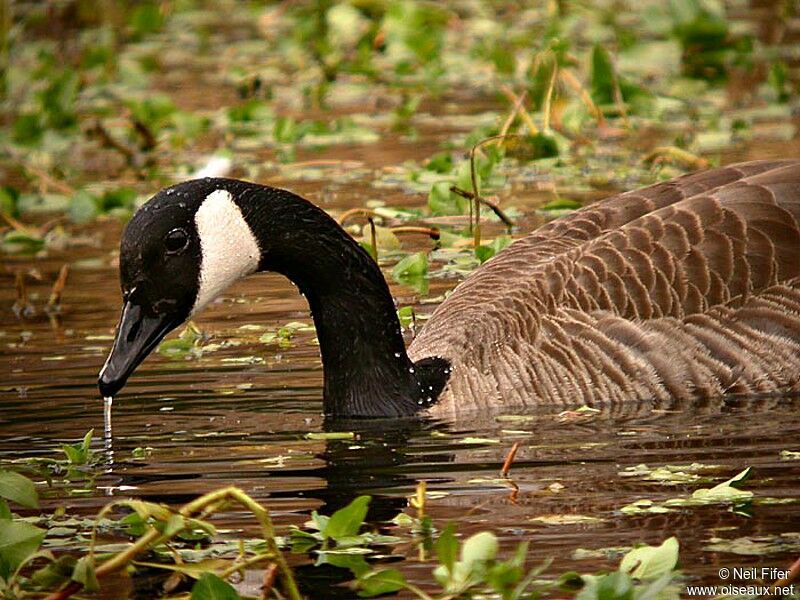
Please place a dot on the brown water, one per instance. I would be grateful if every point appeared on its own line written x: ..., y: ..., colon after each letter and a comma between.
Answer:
x: 214, y: 421
x: 238, y: 416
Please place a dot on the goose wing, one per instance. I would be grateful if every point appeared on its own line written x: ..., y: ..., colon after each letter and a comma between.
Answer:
x: 683, y: 289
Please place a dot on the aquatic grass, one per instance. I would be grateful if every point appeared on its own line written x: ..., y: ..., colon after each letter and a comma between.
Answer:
x: 159, y: 526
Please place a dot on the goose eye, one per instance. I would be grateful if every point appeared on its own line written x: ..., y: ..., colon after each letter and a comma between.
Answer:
x: 175, y: 241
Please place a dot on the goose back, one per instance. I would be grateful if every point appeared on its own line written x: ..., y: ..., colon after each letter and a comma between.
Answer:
x: 685, y: 289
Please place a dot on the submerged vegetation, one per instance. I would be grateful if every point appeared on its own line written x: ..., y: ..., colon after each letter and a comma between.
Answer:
x: 459, y: 125
x: 37, y: 553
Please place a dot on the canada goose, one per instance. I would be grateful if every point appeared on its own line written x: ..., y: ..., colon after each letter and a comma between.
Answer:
x: 685, y: 289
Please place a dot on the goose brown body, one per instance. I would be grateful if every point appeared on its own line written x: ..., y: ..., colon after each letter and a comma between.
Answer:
x: 685, y: 289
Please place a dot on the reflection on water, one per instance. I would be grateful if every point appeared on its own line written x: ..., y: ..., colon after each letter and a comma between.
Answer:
x: 212, y: 421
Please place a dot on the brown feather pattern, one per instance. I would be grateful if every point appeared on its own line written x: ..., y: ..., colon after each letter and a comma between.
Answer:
x: 686, y: 289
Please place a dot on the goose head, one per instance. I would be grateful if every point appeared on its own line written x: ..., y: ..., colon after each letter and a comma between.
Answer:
x: 179, y: 252
x: 191, y: 241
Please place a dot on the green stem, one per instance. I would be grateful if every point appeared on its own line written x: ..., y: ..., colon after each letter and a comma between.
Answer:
x: 153, y: 537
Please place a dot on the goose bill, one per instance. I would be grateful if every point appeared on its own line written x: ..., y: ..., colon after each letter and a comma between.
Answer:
x: 137, y: 334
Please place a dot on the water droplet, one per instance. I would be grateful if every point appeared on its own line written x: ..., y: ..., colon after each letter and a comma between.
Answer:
x: 410, y: 369
x: 397, y: 355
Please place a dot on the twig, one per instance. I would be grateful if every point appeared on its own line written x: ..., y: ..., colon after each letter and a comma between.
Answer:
x: 568, y: 77
x: 47, y: 181
x: 675, y: 154
x: 512, y: 115
x: 509, y: 459
x: 473, y: 174
x: 493, y: 205
x: 148, y: 139
x: 431, y: 232
x: 348, y: 214
x: 269, y: 580
x: 73, y: 588
x: 22, y: 306
x: 419, y: 499
x: 373, y: 238
x: 108, y: 140
x: 18, y: 226
x: 54, y: 303
x: 522, y: 112
x: 548, y: 99
x: 618, y: 99
x: 48, y: 225
x: 513, y: 497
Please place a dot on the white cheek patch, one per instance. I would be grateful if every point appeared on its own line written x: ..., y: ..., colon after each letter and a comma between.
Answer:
x: 229, y: 248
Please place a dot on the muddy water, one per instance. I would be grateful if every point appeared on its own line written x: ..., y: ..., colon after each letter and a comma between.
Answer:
x: 238, y: 416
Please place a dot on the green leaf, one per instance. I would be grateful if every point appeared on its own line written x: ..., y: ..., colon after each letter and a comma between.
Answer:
x: 562, y: 204
x: 464, y: 176
x: 441, y: 201
x: 412, y: 271
x: 84, y: 572
x: 727, y: 490
x: 301, y: 541
x: 406, y: 316
x: 346, y: 521
x: 320, y: 521
x: 376, y: 583
x: 8, y: 200
x: 19, y: 242
x: 534, y: 147
x: 330, y: 435
x: 357, y: 564
x: 485, y: 252
x: 123, y: 197
x: 613, y: 586
x: 28, y: 129
x: 777, y: 79
x: 413, y: 265
x: 251, y: 111
x: 603, y: 76
x: 81, y: 453
x: 174, y: 524
x: 440, y: 163
x: 211, y: 587
x: 83, y: 207
x: 18, y: 488
x: 18, y: 541
x: 146, y: 17
x: 479, y: 548
x: 5, y: 512
x: 651, y: 562
x: 447, y: 547
x: 56, y: 573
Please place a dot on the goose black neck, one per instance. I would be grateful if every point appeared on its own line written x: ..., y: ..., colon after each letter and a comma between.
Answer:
x: 366, y: 369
